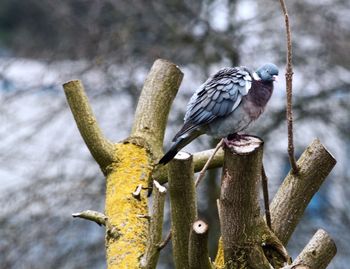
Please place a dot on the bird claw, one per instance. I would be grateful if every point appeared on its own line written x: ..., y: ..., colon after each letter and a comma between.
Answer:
x: 234, y: 140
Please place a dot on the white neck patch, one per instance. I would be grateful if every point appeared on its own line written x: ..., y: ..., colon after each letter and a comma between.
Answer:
x: 256, y: 76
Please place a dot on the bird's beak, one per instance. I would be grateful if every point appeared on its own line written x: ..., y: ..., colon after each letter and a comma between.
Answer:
x: 275, y: 78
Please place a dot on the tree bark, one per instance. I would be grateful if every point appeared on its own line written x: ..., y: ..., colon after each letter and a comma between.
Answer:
x: 296, y: 191
x: 128, y: 165
x: 183, y: 206
x: 150, y: 259
x: 243, y: 229
x: 158, y: 93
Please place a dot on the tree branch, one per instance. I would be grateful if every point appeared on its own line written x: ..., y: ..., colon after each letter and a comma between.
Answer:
x: 101, y: 149
x: 206, y: 159
x: 150, y: 259
x: 289, y: 88
x: 163, y: 244
x: 198, y: 246
x: 206, y: 165
x: 318, y: 253
x: 265, y: 187
x: 183, y: 205
x: 100, y: 219
x: 158, y: 93
x: 95, y: 216
x: 201, y: 158
x: 297, y: 190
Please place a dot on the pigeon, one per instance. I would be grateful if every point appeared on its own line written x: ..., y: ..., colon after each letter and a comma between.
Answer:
x: 227, y: 103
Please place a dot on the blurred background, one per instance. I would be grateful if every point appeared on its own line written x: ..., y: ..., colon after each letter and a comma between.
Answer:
x: 46, y: 172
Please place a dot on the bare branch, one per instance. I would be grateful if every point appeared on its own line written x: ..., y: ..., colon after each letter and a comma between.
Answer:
x: 165, y: 241
x: 265, y: 187
x: 158, y: 93
x: 95, y: 216
x: 183, y: 205
x: 150, y: 259
x: 101, y: 149
x: 318, y: 253
x: 201, y: 158
x: 297, y: 190
x: 205, y: 168
x: 289, y: 89
x: 100, y: 219
x: 198, y: 246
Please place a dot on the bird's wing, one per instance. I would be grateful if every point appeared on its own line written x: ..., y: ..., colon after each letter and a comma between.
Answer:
x: 217, y: 97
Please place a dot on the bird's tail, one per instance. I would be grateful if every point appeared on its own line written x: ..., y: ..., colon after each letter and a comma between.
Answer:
x: 179, y: 143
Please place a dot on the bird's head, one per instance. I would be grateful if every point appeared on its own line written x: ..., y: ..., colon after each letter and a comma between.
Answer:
x: 268, y: 72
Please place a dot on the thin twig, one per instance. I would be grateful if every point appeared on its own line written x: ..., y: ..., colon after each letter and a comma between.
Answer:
x: 165, y: 241
x: 265, y: 188
x: 204, y: 169
x: 289, y: 88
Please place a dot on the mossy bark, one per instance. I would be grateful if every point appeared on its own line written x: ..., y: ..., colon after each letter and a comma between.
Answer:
x: 129, y: 164
x: 122, y: 209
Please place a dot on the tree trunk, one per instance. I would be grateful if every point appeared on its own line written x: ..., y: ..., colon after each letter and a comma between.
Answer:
x: 243, y: 229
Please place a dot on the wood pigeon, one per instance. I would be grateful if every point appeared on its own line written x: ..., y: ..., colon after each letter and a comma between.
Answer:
x: 225, y: 104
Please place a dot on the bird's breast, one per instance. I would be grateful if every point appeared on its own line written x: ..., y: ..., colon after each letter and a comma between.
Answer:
x: 252, y: 109
x: 235, y: 122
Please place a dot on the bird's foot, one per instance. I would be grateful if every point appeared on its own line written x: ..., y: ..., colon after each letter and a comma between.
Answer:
x: 242, y: 143
x: 235, y: 139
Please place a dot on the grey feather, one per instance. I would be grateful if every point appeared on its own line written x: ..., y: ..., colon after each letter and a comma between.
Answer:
x: 216, y: 107
x: 217, y: 97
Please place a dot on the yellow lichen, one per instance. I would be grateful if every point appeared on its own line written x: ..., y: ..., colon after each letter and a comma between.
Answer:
x: 122, y: 208
x: 219, y: 259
